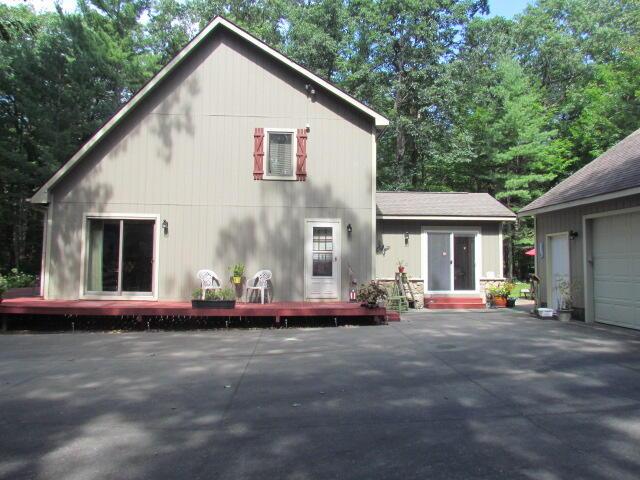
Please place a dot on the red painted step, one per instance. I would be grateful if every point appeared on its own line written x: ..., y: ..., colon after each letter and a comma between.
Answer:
x: 393, y: 316
x: 454, y: 302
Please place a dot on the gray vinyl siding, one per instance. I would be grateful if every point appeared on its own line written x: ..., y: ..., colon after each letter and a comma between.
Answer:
x: 391, y: 234
x: 186, y: 154
x: 565, y: 221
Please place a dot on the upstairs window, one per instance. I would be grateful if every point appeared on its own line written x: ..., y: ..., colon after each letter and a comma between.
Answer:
x: 281, y: 148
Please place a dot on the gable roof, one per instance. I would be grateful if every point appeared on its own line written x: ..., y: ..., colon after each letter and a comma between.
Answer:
x: 616, y: 170
x: 449, y: 205
x: 42, y: 195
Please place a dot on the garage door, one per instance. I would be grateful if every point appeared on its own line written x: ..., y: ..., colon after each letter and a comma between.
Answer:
x: 616, y: 270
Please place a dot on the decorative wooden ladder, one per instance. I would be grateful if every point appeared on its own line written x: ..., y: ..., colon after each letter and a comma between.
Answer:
x: 398, y: 299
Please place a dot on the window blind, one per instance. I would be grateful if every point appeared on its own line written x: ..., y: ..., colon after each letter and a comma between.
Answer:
x: 280, y: 154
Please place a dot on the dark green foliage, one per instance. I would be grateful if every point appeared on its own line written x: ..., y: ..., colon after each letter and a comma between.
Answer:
x: 510, y: 107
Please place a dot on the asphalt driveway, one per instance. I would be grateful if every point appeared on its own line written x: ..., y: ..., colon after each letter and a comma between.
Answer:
x: 445, y: 395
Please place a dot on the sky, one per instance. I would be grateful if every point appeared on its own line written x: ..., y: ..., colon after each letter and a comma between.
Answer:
x: 505, y: 8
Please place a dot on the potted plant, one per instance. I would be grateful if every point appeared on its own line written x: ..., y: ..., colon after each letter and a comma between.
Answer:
x: 565, y: 304
x: 237, y: 272
x: 401, y: 266
x: 219, y: 298
x: 498, y: 294
x: 372, y: 295
x: 3, y: 286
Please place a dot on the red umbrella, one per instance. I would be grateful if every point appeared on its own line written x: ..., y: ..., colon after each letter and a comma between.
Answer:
x: 531, y: 253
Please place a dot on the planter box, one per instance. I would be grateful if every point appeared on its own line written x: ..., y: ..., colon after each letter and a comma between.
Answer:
x: 545, y: 312
x: 499, y: 302
x: 213, y: 303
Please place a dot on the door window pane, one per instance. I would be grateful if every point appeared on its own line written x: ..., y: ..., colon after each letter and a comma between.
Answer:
x: 322, y: 255
x: 464, y: 270
x: 280, y: 154
x: 104, y: 254
x: 137, y: 256
x: 114, y: 266
x: 439, y: 261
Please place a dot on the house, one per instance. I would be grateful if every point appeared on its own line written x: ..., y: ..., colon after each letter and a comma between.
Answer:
x: 588, y: 234
x: 450, y: 244
x: 231, y: 153
x: 234, y: 153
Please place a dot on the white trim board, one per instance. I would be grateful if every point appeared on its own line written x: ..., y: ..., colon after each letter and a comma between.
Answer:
x: 42, y: 195
x: 446, y: 218
x: 582, y: 201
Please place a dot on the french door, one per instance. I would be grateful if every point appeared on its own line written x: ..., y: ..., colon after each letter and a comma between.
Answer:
x: 450, y: 261
x: 120, y: 257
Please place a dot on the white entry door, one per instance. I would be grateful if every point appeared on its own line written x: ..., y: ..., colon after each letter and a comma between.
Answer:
x: 322, y: 259
x: 558, y: 251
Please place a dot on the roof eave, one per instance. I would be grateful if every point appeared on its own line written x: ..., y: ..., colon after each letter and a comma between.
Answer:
x: 528, y: 212
x: 474, y: 218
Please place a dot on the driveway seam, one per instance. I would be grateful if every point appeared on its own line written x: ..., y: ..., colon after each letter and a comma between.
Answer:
x: 237, y: 387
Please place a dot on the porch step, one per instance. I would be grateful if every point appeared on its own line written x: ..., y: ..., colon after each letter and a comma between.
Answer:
x: 393, y: 316
x: 441, y: 303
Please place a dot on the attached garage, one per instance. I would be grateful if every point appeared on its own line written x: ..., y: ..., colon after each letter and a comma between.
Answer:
x: 615, y: 269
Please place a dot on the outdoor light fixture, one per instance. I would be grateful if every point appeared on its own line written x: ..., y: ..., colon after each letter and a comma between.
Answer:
x: 349, y: 229
x: 165, y: 227
x: 573, y: 234
x: 406, y: 238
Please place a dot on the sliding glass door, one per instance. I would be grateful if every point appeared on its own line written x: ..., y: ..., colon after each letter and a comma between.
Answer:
x: 120, y: 257
x: 451, y: 261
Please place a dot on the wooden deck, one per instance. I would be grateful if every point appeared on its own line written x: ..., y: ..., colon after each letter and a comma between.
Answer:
x: 113, y: 308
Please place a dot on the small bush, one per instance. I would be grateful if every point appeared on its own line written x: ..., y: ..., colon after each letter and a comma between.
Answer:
x: 371, y: 293
x: 225, y: 293
x: 3, y: 285
x: 18, y: 279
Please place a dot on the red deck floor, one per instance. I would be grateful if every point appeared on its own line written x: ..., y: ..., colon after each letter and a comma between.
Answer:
x: 38, y: 306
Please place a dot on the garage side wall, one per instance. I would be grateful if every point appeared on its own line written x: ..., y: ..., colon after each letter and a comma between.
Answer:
x: 565, y: 221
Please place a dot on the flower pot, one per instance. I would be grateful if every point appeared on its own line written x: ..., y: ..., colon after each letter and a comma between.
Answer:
x: 213, y: 303
x: 511, y: 302
x: 564, y: 315
x: 236, y: 280
x: 499, y: 302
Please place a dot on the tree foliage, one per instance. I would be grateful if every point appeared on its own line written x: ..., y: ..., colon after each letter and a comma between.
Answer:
x: 509, y: 107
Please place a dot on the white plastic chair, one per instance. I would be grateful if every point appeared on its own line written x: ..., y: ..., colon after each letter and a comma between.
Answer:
x: 260, y: 281
x: 208, y: 281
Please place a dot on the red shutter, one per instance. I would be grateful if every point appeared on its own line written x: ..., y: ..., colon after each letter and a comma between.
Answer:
x: 258, y: 153
x: 301, y: 155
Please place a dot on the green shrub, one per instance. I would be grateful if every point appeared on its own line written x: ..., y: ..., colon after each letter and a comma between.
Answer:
x: 502, y: 289
x: 18, y: 279
x: 3, y: 285
x: 371, y: 293
x: 225, y: 293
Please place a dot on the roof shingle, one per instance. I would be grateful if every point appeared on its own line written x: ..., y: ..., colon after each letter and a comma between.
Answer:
x: 616, y: 169
x: 443, y: 204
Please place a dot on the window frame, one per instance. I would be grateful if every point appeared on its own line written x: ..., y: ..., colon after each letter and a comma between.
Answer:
x: 93, y: 295
x: 294, y: 151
